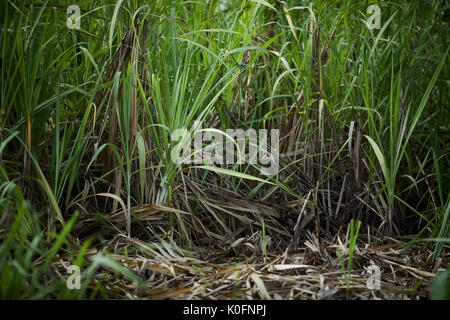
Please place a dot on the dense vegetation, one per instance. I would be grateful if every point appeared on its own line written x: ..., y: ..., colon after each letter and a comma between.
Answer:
x: 86, y: 117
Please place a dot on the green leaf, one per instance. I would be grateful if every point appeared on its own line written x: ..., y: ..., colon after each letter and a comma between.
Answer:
x: 232, y: 173
x: 440, y: 289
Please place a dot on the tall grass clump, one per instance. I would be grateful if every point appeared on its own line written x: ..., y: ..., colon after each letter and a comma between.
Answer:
x: 88, y: 118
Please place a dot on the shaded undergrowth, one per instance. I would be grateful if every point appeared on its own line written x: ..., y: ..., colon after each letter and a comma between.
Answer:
x: 87, y: 178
